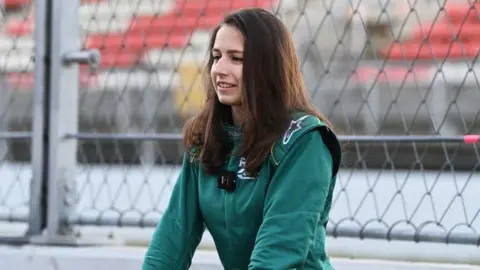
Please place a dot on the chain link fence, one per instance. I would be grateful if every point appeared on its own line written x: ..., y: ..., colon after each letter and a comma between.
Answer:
x: 405, y: 69
x: 15, y: 115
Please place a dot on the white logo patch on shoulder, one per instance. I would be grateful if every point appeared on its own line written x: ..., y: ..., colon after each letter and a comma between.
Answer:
x: 295, y: 126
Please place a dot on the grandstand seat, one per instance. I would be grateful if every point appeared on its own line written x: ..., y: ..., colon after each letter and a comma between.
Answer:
x: 455, y: 35
x: 413, y: 50
x: 119, y: 59
x: 22, y: 3
x: 14, y: 4
x: 126, y: 32
x: 18, y: 27
x: 174, y: 23
x: 124, y: 50
x: 445, y: 32
x: 135, y: 41
x: 212, y: 7
x: 170, y: 30
x: 390, y: 73
x: 120, y: 12
x: 462, y: 13
x: 26, y: 80
x: 25, y: 26
x: 191, y: 15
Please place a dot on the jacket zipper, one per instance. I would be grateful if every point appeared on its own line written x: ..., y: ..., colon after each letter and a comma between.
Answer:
x: 227, y: 194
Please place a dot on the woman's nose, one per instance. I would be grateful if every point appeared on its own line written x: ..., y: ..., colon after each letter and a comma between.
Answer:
x: 221, y: 67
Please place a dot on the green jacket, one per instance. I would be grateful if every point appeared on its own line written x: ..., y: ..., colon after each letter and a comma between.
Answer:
x: 276, y: 221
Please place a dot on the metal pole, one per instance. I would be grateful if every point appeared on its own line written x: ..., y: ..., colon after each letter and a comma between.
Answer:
x: 372, y: 139
x: 38, y: 190
x: 62, y: 117
x: 61, y: 155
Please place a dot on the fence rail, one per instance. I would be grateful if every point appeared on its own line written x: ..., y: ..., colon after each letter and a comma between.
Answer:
x: 468, y: 139
x: 89, y: 139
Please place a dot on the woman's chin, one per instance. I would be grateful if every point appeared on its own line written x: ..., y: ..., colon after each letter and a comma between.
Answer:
x: 228, y: 101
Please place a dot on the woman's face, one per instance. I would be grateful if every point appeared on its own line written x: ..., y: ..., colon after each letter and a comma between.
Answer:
x: 226, y: 71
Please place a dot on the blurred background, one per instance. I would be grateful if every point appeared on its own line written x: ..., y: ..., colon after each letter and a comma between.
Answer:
x: 98, y: 144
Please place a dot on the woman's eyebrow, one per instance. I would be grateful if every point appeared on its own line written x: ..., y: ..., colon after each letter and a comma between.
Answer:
x: 228, y: 51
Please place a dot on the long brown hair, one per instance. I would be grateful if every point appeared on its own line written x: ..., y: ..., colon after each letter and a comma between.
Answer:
x: 273, y: 89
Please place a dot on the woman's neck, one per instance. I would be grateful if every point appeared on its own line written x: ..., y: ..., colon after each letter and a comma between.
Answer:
x: 237, y: 115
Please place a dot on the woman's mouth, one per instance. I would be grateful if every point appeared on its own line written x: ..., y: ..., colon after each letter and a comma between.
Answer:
x: 225, y: 85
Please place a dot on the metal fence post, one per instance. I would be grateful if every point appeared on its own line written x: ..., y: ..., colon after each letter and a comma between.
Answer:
x: 62, y: 118
x: 38, y: 189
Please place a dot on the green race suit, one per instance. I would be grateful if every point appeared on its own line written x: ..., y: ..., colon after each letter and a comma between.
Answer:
x: 274, y: 221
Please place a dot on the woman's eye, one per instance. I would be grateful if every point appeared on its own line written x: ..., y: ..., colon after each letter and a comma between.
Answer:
x: 237, y: 59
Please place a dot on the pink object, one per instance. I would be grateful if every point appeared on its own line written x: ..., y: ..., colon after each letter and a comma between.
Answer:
x: 471, y: 139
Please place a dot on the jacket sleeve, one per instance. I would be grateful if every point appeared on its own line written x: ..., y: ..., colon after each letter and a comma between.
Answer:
x: 294, y: 204
x: 181, y: 227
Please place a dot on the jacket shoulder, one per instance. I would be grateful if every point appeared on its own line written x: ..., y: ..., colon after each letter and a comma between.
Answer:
x: 192, y: 154
x: 300, y: 125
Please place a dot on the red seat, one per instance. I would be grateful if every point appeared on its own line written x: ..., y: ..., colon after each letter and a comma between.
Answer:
x: 135, y: 42
x: 195, y: 7
x: 412, y: 51
x: 20, y: 80
x: 14, y: 4
x: 462, y: 13
x: 23, y: 27
x: 194, y: 14
x: 473, y: 50
x: 176, y: 26
x: 119, y: 59
x: 391, y: 74
x: 25, y: 81
x: 171, y: 30
x: 172, y: 23
x: 446, y: 32
x: 19, y: 27
x: 456, y: 35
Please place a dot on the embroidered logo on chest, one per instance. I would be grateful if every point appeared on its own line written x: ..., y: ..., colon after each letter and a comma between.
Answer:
x: 242, y: 172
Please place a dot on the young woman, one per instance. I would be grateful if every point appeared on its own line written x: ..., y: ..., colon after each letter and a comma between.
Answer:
x: 261, y: 162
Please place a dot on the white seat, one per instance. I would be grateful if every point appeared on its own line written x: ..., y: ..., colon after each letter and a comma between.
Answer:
x: 195, y: 53
x: 16, y: 62
x: 173, y: 58
x: 24, y: 44
x: 121, y: 80
x: 111, y: 17
x: 118, y: 81
x: 123, y: 9
x: 108, y: 17
x: 114, y: 25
